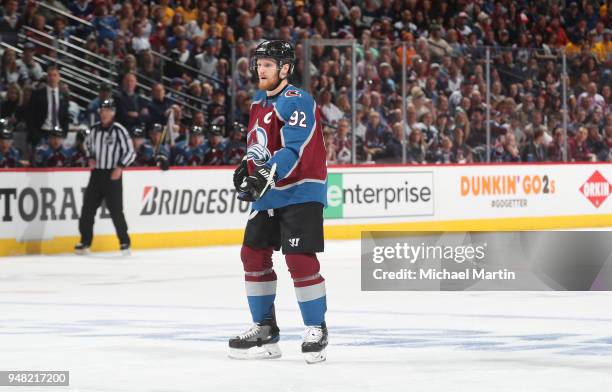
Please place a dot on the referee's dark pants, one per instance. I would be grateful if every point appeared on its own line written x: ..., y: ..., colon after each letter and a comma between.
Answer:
x: 101, y: 187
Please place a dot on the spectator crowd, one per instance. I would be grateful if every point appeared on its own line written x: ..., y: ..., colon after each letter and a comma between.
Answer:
x: 174, y: 71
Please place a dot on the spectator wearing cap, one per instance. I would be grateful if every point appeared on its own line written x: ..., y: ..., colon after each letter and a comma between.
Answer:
x: 207, y: 62
x: 29, y: 70
x: 192, y: 152
x: 53, y: 153
x: 47, y: 109
x: 462, y: 24
x: 9, y: 155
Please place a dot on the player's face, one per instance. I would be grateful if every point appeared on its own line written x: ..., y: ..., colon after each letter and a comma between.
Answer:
x: 55, y: 142
x: 215, y: 140
x: 196, y: 140
x: 5, y: 144
x: 137, y: 141
x: 267, y: 71
x: 155, y: 137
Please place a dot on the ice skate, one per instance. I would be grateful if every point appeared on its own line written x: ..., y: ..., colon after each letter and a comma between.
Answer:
x: 125, y: 249
x: 314, y: 343
x: 81, y: 249
x: 258, y: 342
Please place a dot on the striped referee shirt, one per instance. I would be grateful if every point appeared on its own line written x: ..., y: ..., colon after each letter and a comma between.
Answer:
x: 110, y: 147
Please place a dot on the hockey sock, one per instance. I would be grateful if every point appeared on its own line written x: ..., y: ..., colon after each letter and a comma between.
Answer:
x: 260, y: 281
x: 309, y: 286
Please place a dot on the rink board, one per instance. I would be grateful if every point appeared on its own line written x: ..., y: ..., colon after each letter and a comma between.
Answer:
x: 39, y: 209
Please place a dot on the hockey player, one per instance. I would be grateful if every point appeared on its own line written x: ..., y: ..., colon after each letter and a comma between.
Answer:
x: 53, y: 153
x: 192, y: 153
x: 215, y: 147
x: 285, y: 176
x: 80, y: 155
x: 9, y: 155
x: 156, y: 132
x: 144, y: 151
x: 161, y: 151
x: 235, y: 148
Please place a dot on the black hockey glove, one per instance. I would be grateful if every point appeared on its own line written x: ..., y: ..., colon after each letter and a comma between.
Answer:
x: 240, y: 173
x: 257, y: 184
x: 162, y: 162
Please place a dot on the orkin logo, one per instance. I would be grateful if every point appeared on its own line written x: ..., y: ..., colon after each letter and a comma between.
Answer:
x: 596, y: 189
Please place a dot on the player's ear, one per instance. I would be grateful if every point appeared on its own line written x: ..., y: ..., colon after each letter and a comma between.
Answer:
x: 284, y: 71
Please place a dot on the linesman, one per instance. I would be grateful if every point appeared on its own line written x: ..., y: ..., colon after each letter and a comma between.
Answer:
x: 110, y: 150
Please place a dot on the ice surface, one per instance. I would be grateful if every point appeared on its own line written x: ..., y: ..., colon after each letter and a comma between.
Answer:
x: 159, y: 321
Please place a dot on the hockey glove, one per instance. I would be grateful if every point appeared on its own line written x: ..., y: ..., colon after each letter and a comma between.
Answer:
x: 240, y: 173
x: 258, y: 183
x: 162, y: 162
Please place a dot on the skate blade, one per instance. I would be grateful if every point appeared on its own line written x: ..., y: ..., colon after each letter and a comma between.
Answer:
x: 126, y: 252
x: 82, y: 252
x: 267, y: 351
x: 312, y: 358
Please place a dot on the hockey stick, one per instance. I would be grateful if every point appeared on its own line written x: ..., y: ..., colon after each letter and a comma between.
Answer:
x: 161, y: 140
x: 265, y: 189
x: 163, y: 164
